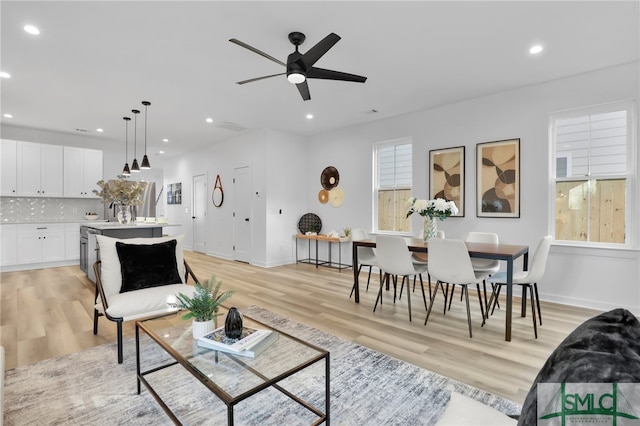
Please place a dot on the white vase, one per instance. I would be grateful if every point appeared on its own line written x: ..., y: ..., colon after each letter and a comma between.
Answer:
x: 430, y: 228
x: 200, y: 328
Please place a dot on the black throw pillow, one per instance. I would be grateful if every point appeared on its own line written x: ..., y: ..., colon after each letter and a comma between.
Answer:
x: 147, y: 265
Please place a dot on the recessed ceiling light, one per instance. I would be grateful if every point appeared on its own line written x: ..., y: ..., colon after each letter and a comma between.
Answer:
x: 535, y: 49
x: 309, y: 116
x: 5, y: 74
x: 161, y: 152
x: 31, y: 29
x: 7, y: 115
x: 99, y: 130
x: 209, y: 120
x: 165, y: 140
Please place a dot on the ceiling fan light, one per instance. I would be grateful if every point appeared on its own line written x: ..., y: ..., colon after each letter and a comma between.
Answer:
x: 296, y: 78
x: 145, y: 163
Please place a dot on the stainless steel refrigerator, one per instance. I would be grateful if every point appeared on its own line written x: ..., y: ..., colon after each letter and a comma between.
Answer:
x: 146, y: 209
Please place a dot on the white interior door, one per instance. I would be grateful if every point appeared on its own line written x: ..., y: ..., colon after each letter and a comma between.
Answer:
x: 242, y: 217
x: 199, y: 210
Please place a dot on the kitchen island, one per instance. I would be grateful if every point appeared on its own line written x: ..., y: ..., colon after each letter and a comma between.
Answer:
x: 89, y: 251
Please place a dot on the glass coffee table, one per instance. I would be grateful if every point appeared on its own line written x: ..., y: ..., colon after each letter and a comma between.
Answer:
x: 232, y: 378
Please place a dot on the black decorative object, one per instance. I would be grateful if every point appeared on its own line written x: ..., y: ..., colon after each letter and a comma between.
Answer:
x: 233, y: 324
x: 329, y: 178
x: 309, y: 222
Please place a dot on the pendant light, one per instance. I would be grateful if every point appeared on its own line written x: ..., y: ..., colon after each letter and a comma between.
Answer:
x: 126, y: 171
x: 145, y: 160
x: 135, y: 168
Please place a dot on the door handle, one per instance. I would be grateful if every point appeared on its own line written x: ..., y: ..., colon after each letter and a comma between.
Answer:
x: 193, y: 217
x: 246, y: 219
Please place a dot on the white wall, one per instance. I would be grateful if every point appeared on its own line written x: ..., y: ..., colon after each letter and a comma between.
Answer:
x: 277, y: 160
x: 596, y: 278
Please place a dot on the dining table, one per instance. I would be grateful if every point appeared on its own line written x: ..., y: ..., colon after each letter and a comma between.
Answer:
x: 504, y: 252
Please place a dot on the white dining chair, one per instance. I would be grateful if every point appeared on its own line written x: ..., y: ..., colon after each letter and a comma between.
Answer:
x: 394, y: 259
x: 489, y: 266
x: 449, y: 262
x: 366, y: 255
x: 528, y: 280
x: 421, y: 260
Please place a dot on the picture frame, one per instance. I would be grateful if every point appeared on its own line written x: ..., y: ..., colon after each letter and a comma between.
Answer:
x: 447, y: 176
x: 174, y: 193
x: 498, y: 179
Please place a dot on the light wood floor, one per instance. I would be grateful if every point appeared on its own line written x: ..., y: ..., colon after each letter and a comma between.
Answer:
x: 48, y: 313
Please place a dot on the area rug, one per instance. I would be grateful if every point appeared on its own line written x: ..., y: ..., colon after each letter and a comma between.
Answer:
x: 367, y: 388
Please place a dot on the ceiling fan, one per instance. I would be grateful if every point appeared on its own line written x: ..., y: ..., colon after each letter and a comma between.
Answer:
x: 300, y: 66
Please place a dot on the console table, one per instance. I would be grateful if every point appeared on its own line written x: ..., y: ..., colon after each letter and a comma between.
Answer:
x: 329, y: 241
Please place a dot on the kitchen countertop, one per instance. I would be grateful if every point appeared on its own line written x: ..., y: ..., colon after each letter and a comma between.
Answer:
x: 116, y: 225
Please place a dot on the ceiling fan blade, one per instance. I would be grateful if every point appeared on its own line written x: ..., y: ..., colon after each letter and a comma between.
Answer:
x: 312, y: 55
x: 251, y: 80
x: 303, y: 88
x: 259, y: 52
x: 334, y: 75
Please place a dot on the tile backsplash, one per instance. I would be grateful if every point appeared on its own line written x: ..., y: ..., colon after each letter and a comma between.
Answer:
x: 25, y: 209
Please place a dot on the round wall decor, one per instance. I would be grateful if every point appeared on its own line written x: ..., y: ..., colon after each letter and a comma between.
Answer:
x: 323, y: 196
x: 329, y: 178
x: 309, y: 222
x: 336, y: 197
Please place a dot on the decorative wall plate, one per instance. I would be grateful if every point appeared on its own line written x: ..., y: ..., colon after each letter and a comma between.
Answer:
x: 309, y: 222
x: 323, y: 196
x: 329, y: 178
x: 336, y: 197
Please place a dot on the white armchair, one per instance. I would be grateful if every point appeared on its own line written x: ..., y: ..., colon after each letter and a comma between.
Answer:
x: 139, y: 278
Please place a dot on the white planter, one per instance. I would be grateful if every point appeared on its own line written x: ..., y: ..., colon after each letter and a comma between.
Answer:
x: 200, y: 328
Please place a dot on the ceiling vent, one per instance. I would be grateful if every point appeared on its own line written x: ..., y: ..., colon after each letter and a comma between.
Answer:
x: 230, y: 126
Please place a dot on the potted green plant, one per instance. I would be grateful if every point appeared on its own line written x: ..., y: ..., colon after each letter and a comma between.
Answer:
x: 204, y: 305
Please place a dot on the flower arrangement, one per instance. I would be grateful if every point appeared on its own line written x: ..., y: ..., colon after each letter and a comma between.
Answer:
x: 438, y: 207
x: 122, y: 191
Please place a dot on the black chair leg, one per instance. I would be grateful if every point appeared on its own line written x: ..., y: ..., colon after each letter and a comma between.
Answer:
x: 424, y: 296
x: 354, y: 284
x: 453, y: 290
x: 480, y: 300
x: 382, y: 279
x: 369, y: 277
x: 533, y: 313
x: 433, y: 300
x: 535, y: 290
x: 497, y: 294
x: 96, y: 314
x: 120, y: 356
x: 466, y: 293
x: 523, y: 308
x: 408, y: 295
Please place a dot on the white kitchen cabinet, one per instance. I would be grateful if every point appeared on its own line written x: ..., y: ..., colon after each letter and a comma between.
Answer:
x: 72, y: 241
x: 83, y: 168
x: 9, y: 165
x: 42, y: 242
x: 39, y: 170
x: 9, y: 241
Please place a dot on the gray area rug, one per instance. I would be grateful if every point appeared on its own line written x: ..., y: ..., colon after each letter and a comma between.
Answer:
x: 367, y: 388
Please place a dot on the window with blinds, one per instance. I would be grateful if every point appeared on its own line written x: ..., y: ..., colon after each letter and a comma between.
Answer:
x: 591, y: 174
x: 392, y: 184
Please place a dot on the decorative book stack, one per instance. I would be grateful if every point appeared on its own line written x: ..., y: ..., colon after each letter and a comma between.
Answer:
x: 251, y: 343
